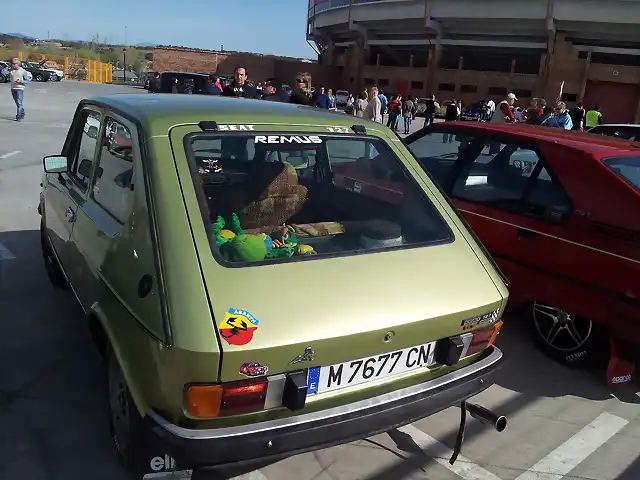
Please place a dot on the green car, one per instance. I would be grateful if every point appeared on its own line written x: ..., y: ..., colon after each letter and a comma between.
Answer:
x: 263, y: 279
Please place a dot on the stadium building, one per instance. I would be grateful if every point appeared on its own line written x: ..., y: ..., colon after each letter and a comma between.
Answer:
x: 587, y: 50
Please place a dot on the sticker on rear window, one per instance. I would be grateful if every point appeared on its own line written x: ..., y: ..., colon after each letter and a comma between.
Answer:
x: 235, y: 128
x: 238, y: 327
x: 299, y: 139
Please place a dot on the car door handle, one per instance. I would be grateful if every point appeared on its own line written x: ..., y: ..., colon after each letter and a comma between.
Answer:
x: 70, y: 215
x: 524, y: 233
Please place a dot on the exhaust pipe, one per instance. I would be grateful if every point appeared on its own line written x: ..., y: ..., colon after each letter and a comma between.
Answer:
x: 498, y: 422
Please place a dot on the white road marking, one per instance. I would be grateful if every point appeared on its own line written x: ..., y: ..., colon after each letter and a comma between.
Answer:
x: 575, y: 450
x: 463, y: 467
x: 10, y: 154
x: 5, y: 253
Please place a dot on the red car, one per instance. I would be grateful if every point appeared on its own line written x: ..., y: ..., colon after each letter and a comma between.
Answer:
x: 560, y: 213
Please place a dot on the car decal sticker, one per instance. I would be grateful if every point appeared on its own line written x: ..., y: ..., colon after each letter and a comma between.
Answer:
x: 253, y: 369
x: 235, y: 128
x: 238, y: 327
x: 287, y: 139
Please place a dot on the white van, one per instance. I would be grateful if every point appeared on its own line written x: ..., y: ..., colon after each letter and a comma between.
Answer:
x: 342, y: 96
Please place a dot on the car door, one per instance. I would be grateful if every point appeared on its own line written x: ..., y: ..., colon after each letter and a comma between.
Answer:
x: 112, y: 234
x: 509, y: 197
x: 66, y: 191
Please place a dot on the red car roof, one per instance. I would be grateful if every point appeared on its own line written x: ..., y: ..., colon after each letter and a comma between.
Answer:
x: 598, y: 145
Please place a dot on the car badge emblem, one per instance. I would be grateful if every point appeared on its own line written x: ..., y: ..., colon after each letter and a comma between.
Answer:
x: 307, y: 356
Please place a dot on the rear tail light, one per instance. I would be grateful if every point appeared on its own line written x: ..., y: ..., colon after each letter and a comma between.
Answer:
x: 209, y: 401
x: 483, y: 338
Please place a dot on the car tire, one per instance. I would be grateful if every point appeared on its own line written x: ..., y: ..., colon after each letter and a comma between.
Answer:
x: 125, y: 423
x: 567, y: 338
x: 56, y: 277
x: 39, y: 77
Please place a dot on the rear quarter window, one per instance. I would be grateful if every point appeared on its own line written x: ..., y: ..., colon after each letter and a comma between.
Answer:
x: 627, y: 168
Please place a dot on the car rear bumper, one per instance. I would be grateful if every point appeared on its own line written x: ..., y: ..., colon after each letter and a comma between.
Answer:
x: 274, y: 439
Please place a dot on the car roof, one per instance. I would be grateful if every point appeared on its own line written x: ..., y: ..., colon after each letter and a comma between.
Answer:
x: 159, y: 112
x: 595, y: 144
x: 619, y: 125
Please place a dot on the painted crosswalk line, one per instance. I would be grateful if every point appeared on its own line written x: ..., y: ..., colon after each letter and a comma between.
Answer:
x: 463, y: 467
x: 575, y: 450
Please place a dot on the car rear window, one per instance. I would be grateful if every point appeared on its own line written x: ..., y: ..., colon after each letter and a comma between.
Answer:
x: 277, y: 197
x: 628, y: 168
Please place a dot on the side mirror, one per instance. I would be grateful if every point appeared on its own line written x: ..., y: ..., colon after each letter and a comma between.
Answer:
x: 55, y: 164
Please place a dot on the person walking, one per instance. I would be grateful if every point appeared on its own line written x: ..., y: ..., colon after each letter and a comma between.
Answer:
x: 361, y: 104
x: 452, y: 114
x: 431, y: 106
x: 562, y: 116
x: 577, y: 114
x: 373, y: 110
x: 241, y: 85
x: 395, y: 109
x: 18, y: 77
x: 593, y: 117
x: 408, y: 111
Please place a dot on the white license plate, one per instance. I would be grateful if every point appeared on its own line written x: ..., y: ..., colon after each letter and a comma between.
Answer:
x: 369, y: 369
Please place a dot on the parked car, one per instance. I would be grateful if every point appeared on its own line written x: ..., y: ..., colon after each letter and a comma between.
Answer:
x: 176, y: 82
x: 476, y: 112
x: 628, y: 131
x: 184, y: 273
x: 342, y: 97
x: 441, y: 111
x: 55, y: 73
x: 39, y: 74
x: 4, y: 77
x: 558, y: 210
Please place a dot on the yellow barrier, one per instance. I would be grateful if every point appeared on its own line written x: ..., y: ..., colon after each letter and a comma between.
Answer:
x: 74, y: 67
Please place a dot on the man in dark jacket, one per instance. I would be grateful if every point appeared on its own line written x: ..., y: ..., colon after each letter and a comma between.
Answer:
x: 241, y: 86
x: 547, y: 119
x: 273, y: 92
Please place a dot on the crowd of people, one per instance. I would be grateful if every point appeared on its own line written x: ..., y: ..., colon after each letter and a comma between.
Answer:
x: 372, y: 104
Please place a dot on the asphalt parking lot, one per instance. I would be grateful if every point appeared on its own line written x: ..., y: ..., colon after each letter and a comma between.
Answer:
x: 563, y: 424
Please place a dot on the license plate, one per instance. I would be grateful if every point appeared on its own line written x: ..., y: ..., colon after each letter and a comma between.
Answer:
x: 369, y: 369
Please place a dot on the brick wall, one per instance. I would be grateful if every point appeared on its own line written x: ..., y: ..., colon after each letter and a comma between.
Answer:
x: 258, y: 68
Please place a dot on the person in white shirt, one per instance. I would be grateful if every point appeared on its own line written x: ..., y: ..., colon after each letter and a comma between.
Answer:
x: 19, y: 77
x: 373, y: 109
x: 491, y: 107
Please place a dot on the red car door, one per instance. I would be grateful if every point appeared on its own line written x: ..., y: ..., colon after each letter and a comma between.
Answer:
x: 508, y: 196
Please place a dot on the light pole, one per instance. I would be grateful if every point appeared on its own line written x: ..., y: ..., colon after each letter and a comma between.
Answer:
x: 124, y: 66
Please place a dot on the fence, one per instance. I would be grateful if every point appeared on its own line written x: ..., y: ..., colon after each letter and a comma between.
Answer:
x: 74, y: 68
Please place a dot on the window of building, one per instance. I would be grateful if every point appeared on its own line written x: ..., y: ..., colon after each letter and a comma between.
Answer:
x: 569, y: 97
x: 521, y: 93
x: 527, y: 63
x: 447, y: 87
x: 383, y: 82
x: 369, y: 82
x: 615, y: 59
x: 486, y: 60
x: 450, y: 58
x: 352, y: 80
x: 469, y: 89
x: 113, y: 185
x: 417, y: 85
x: 497, y: 91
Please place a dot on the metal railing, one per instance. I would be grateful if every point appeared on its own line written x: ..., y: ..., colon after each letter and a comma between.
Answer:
x: 317, y: 6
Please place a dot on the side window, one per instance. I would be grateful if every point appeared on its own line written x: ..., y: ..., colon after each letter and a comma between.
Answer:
x: 500, y: 177
x: 84, y: 156
x: 438, y: 152
x: 113, y: 185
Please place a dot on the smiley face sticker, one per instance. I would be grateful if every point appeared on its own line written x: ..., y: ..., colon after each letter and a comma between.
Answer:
x: 238, y: 326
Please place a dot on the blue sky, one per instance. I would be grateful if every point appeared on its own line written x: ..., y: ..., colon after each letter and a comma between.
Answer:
x: 263, y: 26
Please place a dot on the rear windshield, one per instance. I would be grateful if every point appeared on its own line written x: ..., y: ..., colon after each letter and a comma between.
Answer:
x: 277, y: 197
x: 626, y: 167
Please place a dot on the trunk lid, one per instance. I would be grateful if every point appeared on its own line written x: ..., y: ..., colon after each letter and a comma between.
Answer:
x: 342, y: 308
